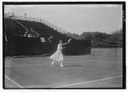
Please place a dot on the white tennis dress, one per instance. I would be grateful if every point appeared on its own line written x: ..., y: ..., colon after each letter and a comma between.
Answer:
x: 57, y: 56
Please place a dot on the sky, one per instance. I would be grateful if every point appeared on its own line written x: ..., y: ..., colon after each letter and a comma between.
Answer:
x: 74, y: 18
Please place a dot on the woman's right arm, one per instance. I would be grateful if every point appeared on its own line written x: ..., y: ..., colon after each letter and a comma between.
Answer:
x: 67, y: 42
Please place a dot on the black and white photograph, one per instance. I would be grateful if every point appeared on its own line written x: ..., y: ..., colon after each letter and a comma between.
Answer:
x: 64, y: 45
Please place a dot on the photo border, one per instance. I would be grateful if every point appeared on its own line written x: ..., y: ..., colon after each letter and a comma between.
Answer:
x: 75, y: 3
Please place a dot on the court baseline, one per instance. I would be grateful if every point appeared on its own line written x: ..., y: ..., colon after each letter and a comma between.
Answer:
x: 86, y: 82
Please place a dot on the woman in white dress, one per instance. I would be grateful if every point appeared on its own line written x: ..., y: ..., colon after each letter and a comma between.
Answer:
x: 58, y: 56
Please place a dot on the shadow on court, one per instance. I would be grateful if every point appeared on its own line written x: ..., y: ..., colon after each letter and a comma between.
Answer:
x: 74, y: 66
x: 69, y: 65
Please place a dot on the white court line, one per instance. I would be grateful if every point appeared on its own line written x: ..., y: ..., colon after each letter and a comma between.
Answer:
x: 92, y: 60
x: 14, y: 82
x: 86, y: 82
x: 7, y: 66
x: 23, y: 65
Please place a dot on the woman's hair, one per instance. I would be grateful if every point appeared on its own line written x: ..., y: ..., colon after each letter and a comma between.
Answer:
x: 60, y: 41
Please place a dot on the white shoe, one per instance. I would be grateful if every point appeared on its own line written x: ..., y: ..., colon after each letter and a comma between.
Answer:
x: 61, y: 66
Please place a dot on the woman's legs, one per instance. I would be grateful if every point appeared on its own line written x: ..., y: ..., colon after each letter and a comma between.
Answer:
x: 61, y: 65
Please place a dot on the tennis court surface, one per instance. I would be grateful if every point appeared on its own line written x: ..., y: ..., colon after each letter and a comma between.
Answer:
x: 102, y: 69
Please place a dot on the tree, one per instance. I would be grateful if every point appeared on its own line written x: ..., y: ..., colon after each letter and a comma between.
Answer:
x: 116, y: 37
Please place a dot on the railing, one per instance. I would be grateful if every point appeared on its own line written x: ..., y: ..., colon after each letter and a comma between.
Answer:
x: 60, y: 30
x: 27, y: 30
